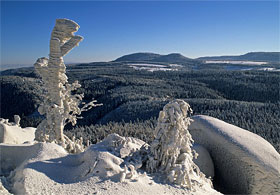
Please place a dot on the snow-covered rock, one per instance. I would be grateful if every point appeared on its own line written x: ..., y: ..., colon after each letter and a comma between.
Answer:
x: 245, y: 163
x: 204, y: 161
x: 12, y: 133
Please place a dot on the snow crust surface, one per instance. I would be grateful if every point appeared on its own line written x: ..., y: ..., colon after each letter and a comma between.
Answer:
x: 204, y: 161
x: 46, y: 168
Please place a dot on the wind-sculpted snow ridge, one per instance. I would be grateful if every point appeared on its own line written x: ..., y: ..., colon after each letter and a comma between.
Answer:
x: 171, y: 151
x: 244, y: 162
x: 60, y: 105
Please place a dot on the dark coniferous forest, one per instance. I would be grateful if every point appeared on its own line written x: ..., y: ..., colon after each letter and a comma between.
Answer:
x: 133, y: 98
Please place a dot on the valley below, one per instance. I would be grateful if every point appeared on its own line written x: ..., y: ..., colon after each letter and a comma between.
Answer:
x: 133, y: 92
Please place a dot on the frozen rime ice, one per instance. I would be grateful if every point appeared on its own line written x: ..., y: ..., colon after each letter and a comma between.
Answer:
x: 60, y: 105
x: 171, y: 151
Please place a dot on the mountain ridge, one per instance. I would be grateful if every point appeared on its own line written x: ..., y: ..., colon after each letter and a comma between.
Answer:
x: 179, y: 58
x: 250, y: 56
x: 153, y: 57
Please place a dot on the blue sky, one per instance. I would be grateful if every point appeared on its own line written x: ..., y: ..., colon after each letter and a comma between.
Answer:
x: 111, y: 29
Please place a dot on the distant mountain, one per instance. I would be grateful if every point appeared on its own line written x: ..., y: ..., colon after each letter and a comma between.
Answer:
x: 152, y: 57
x: 252, y: 56
x: 138, y: 57
x: 14, y: 66
x: 173, y: 58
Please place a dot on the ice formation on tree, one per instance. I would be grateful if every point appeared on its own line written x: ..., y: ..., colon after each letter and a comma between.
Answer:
x: 60, y: 105
x: 171, y: 151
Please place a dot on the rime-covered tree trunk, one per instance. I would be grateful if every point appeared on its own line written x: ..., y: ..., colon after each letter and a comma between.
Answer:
x: 60, y: 105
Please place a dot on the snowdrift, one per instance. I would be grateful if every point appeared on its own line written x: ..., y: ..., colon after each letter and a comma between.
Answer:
x: 48, y: 169
x: 245, y: 163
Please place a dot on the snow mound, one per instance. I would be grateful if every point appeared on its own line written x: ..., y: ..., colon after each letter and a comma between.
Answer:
x: 244, y: 162
x: 46, y: 168
x: 11, y: 133
x: 119, y: 146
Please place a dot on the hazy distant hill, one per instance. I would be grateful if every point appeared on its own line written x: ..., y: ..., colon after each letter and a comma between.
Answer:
x: 179, y: 58
x: 173, y: 58
x: 13, y: 66
x: 138, y: 57
x: 252, y: 56
x: 152, y: 57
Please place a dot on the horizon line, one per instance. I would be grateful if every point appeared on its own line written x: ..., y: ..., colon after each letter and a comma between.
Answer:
x: 89, y: 61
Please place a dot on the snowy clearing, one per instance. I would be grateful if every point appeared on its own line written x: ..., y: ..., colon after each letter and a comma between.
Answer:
x: 234, y: 62
x: 155, y: 67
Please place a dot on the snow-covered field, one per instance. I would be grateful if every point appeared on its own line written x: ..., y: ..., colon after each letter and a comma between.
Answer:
x: 155, y: 67
x: 269, y: 69
x: 234, y: 62
x: 233, y: 65
x: 244, y: 68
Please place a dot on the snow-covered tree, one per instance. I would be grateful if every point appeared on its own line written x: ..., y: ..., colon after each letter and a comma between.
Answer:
x: 171, y: 151
x: 60, y: 105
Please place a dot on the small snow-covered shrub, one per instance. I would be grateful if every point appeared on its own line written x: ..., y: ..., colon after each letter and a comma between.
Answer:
x: 171, y: 151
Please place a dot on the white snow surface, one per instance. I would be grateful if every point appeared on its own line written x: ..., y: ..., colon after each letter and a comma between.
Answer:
x: 234, y: 62
x: 245, y: 163
x: 270, y: 69
x: 204, y: 161
x: 155, y: 67
x: 46, y: 168
x: 13, y: 134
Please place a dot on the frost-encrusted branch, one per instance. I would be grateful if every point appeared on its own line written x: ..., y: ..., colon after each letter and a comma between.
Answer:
x: 171, y: 151
x: 60, y: 105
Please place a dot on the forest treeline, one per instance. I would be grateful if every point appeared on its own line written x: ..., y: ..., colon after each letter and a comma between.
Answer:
x: 132, y: 99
